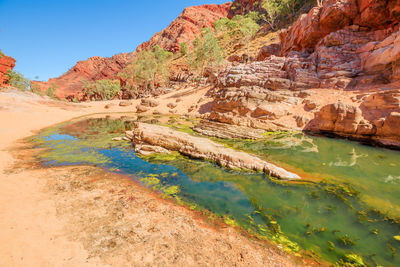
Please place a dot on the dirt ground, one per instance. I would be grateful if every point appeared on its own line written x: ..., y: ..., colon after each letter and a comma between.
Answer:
x: 84, y: 216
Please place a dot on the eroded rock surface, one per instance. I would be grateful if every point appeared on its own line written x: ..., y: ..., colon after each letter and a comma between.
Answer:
x: 376, y: 119
x: 223, y: 130
x: 203, y: 148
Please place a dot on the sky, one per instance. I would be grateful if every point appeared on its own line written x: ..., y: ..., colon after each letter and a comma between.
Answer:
x: 48, y: 37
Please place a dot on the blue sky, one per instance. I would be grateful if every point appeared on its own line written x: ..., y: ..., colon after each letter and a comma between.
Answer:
x: 47, y: 37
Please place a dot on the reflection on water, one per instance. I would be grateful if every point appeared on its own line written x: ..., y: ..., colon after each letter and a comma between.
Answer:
x: 326, y: 218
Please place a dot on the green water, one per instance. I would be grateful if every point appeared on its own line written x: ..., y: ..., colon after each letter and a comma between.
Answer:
x: 375, y: 172
x: 329, y: 219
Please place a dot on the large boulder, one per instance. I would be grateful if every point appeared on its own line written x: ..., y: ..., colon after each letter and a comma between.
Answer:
x: 336, y: 118
x: 391, y: 126
x: 382, y: 57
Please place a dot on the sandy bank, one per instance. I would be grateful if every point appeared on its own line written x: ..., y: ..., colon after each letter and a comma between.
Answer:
x: 81, y: 216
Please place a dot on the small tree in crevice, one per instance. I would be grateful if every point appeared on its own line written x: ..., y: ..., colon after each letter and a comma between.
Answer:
x: 206, y: 52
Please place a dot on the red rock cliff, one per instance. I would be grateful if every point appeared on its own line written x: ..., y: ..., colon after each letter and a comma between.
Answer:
x: 94, y: 68
x: 187, y: 26
x: 334, y: 15
x: 6, y: 63
x: 183, y: 29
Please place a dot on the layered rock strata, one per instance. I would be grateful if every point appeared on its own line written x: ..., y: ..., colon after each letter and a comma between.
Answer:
x: 376, y: 120
x: 226, y: 131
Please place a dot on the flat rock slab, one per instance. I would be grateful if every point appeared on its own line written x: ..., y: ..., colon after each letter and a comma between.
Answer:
x: 226, y: 131
x: 203, y: 148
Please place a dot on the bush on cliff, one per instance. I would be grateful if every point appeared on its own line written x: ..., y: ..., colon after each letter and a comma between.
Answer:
x: 184, y: 48
x: 206, y: 52
x: 281, y: 12
x: 149, y: 67
x: 101, y: 89
x: 239, y: 27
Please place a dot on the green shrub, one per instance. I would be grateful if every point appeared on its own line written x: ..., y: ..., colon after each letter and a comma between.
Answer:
x: 243, y: 27
x: 206, y: 52
x: 17, y: 80
x: 51, y: 90
x: 101, y: 89
x: 35, y: 88
x: 184, y: 48
x: 149, y: 66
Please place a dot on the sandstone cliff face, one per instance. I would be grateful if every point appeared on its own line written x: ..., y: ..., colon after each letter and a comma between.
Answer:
x: 334, y: 15
x: 340, y: 45
x: 95, y: 68
x: 184, y: 29
x: 377, y: 119
x: 187, y: 26
x: 6, y: 63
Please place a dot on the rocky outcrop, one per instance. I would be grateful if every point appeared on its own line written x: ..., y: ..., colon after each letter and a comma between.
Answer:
x: 6, y: 63
x: 252, y: 106
x: 353, y: 43
x: 203, y: 148
x: 334, y: 15
x: 187, y: 26
x: 277, y: 73
x: 376, y: 119
x: 267, y: 51
x: 226, y: 131
x: 382, y: 57
x: 336, y: 48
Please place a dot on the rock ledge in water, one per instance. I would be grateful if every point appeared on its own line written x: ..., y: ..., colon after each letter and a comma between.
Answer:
x: 223, y: 130
x: 202, y: 148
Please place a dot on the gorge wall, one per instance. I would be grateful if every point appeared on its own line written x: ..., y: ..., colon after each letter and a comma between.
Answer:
x: 183, y: 29
x: 336, y: 72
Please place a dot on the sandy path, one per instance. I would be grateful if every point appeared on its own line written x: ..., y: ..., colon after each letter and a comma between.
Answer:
x: 32, y: 232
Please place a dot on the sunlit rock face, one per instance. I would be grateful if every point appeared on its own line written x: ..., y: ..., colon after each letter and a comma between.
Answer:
x: 187, y: 26
x: 183, y: 29
x: 6, y: 63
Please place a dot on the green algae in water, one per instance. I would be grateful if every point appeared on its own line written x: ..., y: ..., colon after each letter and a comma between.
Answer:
x: 375, y: 172
x: 312, y: 216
